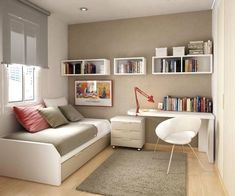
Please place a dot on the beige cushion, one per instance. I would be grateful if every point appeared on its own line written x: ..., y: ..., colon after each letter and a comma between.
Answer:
x: 70, y: 113
x: 53, y: 116
x: 55, y: 102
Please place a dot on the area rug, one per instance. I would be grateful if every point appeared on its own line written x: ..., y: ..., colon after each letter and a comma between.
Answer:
x: 138, y: 173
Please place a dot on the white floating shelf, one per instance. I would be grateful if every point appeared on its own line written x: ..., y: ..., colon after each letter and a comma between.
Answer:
x: 182, y: 65
x: 130, y: 66
x: 85, y: 67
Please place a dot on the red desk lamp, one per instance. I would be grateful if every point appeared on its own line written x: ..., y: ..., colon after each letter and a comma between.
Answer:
x: 149, y: 98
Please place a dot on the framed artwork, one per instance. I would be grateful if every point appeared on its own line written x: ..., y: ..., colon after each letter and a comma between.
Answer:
x: 94, y: 93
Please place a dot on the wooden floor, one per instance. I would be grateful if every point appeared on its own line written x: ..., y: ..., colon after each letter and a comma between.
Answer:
x: 199, y: 182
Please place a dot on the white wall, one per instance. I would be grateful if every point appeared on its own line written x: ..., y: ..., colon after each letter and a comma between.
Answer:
x: 224, y: 31
x: 50, y: 81
x: 218, y: 78
x: 54, y: 85
x: 229, y: 102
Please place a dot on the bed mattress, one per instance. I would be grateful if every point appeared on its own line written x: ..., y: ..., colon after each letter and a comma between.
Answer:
x: 64, y: 138
x: 104, y: 128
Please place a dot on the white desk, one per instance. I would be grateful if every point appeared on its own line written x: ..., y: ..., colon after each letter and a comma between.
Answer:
x: 205, y: 134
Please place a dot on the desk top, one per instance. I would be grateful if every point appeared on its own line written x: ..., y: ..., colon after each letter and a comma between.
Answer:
x: 170, y: 114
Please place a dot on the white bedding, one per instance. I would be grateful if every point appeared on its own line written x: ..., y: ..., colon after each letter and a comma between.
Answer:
x: 103, y: 126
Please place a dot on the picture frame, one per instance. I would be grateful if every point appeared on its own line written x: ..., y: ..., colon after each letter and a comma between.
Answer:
x: 94, y: 93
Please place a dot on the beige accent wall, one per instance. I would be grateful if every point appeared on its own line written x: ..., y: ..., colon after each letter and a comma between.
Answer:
x: 140, y: 37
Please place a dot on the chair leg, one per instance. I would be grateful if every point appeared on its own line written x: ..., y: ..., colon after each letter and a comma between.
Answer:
x: 155, y: 148
x: 196, y: 156
x: 169, y: 165
x: 182, y: 148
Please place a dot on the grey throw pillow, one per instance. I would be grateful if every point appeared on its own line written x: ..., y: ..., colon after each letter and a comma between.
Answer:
x: 70, y: 113
x: 53, y: 116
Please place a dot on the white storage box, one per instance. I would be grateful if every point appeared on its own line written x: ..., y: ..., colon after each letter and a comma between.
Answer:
x: 161, y: 52
x: 179, y: 51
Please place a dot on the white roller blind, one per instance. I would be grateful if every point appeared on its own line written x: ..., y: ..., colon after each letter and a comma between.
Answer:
x: 24, y: 34
x: 17, y: 41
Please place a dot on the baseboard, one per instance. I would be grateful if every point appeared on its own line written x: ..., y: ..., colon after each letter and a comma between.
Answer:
x: 221, y: 180
x: 167, y: 147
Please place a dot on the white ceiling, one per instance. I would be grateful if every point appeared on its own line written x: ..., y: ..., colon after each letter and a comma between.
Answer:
x: 103, y: 10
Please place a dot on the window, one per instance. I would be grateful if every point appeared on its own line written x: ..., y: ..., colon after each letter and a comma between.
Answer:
x: 20, y: 83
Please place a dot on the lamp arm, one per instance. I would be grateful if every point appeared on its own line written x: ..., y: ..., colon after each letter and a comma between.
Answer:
x: 141, y: 92
x: 137, y: 101
x: 150, y: 98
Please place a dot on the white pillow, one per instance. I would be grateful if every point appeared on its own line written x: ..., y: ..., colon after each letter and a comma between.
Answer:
x: 60, y: 101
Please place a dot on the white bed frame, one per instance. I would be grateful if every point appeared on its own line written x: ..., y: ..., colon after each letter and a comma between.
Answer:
x: 41, y: 162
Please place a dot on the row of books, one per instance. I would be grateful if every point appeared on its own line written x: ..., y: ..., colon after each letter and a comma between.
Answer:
x: 130, y: 67
x: 170, y: 65
x: 174, y: 65
x: 187, y: 104
x: 79, y: 68
x: 190, y: 65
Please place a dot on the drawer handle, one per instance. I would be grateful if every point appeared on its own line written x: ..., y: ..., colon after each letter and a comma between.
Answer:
x: 125, y: 131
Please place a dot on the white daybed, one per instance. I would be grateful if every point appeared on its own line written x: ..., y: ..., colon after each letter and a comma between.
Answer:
x: 41, y: 162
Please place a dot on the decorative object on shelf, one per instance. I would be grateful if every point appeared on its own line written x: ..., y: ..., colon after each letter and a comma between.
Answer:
x: 161, y: 52
x: 179, y: 51
x: 130, y: 66
x: 208, y: 47
x: 85, y: 67
x: 188, y: 104
x: 93, y: 93
x: 160, y: 106
x: 196, y: 47
x: 149, y: 98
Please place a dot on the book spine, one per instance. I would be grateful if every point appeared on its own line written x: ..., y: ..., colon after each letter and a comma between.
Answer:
x: 188, y: 107
x: 186, y: 65
x: 164, y: 65
x: 210, y: 106
x: 190, y: 65
x: 175, y: 66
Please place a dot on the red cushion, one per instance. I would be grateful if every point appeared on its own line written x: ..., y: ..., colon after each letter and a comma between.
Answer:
x: 30, y: 118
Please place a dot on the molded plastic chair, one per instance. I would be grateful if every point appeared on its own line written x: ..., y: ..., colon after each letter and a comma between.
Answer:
x: 178, y: 131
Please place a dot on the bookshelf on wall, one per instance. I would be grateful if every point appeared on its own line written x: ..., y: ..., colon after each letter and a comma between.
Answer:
x: 187, y: 64
x: 130, y: 66
x: 84, y: 67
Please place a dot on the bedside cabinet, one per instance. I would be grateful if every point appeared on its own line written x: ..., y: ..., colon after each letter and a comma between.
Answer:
x: 128, y: 131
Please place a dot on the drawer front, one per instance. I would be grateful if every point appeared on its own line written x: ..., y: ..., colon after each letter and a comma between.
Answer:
x: 131, y: 134
x: 126, y: 142
x: 127, y: 125
x: 75, y: 162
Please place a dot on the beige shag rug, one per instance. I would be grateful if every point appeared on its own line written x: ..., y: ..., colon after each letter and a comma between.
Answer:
x: 138, y: 173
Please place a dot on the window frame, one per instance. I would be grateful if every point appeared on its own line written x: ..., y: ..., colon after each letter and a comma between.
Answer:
x: 23, y: 101
x: 23, y: 84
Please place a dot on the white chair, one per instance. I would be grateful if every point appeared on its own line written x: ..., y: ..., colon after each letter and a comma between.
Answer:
x: 178, y: 131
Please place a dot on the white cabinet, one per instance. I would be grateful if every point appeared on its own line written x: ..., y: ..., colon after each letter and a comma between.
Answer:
x: 128, y: 131
x: 84, y: 67
x: 130, y: 66
x: 188, y: 64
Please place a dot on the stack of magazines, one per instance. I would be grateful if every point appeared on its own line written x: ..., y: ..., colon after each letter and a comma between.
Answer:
x: 196, y: 47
